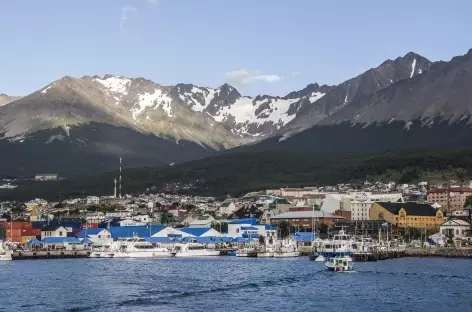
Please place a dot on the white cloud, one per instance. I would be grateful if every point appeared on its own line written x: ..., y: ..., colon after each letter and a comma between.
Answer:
x: 294, y: 74
x: 126, y: 11
x: 245, y: 76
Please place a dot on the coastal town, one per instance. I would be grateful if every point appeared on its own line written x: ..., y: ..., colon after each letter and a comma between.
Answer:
x: 290, y: 221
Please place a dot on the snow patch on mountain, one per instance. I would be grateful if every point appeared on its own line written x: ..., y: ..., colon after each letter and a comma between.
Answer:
x: 157, y: 99
x: 115, y: 84
x: 413, y: 66
x: 46, y: 89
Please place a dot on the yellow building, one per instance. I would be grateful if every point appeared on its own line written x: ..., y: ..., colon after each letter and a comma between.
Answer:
x: 409, y: 214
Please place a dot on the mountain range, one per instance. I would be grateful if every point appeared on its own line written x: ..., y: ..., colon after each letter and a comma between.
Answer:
x: 83, y: 125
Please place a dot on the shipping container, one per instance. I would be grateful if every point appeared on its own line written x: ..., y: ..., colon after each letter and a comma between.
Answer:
x: 16, y: 239
x: 14, y: 232
x: 37, y: 232
x: 28, y: 225
x: 16, y: 225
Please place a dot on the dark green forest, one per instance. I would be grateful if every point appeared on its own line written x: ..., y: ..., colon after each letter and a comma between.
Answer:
x: 238, y: 173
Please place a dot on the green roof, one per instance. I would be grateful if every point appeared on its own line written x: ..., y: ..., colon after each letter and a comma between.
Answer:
x: 225, y: 204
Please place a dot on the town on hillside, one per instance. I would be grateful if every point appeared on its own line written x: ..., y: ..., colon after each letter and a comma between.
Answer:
x: 418, y: 214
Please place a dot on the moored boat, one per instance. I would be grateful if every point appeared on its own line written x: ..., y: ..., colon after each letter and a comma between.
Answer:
x: 139, y: 248
x: 288, y: 250
x: 192, y: 249
x: 5, y: 252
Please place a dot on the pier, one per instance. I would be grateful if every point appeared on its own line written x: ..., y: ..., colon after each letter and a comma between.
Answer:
x: 49, y: 254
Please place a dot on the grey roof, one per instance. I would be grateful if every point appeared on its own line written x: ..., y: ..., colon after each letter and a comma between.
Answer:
x: 305, y: 215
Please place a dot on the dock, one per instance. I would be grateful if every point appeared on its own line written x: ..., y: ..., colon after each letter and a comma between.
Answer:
x: 49, y: 254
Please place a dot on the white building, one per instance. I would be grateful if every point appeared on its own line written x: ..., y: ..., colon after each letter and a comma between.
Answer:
x: 118, y: 214
x: 358, y: 203
x: 53, y: 231
x: 98, y: 236
x: 93, y: 200
x: 227, y: 208
x: 251, y: 230
x: 456, y: 228
x: 295, y: 192
x: 361, y: 202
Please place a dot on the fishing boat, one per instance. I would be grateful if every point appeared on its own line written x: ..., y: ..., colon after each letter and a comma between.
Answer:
x: 340, y: 264
x: 193, y: 249
x: 287, y: 250
x: 5, y: 252
x: 138, y: 248
x: 266, y: 252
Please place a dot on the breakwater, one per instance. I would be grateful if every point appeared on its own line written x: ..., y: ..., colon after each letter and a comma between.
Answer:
x: 439, y: 253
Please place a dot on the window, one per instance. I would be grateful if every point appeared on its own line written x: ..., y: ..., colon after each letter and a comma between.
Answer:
x: 237, y: 230
x: 60, y: 233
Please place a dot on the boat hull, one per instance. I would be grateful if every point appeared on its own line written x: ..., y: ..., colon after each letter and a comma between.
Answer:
x: 6, y: 258
x: 199, y: 253
x: 143, y: 254
x: 265, y: 255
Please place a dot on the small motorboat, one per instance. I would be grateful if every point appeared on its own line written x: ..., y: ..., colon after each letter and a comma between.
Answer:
x: 340, y: 264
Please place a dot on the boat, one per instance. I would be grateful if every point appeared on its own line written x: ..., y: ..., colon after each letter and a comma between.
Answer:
x: 266, y: 252
x: 102, y: 252
x: 5, y: 252
x: 247, y: 251
x: 339, y: 246
x: 193, y: 249
x: 138, y: 248
x: 340, y: 264
x: 288, y: 250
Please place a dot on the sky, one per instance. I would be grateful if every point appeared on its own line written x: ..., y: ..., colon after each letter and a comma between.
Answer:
x: 258, y: 46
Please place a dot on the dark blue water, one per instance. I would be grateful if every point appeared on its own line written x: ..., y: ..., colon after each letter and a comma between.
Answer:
x: 234, y: 284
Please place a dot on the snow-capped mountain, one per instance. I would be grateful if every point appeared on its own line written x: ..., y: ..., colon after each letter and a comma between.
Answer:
x: 243, y: 116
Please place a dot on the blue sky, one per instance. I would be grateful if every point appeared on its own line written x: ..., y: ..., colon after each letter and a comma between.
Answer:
x: 259, y: 46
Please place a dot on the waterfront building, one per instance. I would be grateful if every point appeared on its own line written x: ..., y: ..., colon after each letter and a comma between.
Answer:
x: 408, y: 214
x: 248, y: 228
x: 199, y: 232
x: 98, y: 236
x: 136, y: 231
x: 53, y: 231
x: 452, y: 198
x: 455, y: 228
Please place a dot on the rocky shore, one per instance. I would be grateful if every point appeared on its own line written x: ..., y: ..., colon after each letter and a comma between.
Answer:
x: 439, y: 252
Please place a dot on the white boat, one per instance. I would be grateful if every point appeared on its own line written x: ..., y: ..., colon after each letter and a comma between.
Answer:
x: 138, y: 248
x: 340, y: 245
x: 267, y: 252
x: 320, y: 259
x: 5, y: 252
x: 192, y: 249
x: 247, y: 251
x: 287, y: 250
x: 340, y: 264
x: 102, y: 252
